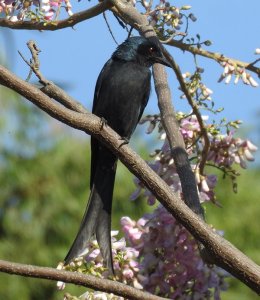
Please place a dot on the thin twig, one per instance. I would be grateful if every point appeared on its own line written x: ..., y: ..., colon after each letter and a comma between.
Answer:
x: 86, y: 280
x: 109, y: 28
x: 34, y: 63
x: 255, y: 62
x: 29, y: 64
x: 49, y: 88
x: 183, y: 34
x: 35, y: 53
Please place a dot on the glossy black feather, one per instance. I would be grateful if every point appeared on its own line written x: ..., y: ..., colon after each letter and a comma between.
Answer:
x: 121, y: 94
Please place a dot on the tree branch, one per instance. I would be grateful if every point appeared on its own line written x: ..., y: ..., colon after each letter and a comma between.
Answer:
x: 56, y: 25
x: 77, y: 278
x: 176, y: 142
x: 195, y: 110
x: 223, y: 252
x: 214, y: 55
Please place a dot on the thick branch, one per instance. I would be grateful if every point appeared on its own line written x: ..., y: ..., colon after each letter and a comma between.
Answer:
x: 89, y: 281
x: 223, y: 252
x: 53, y: 91
x: 213, y: 55
x: 195, y: 110
x: 56, y: 25
x: 176, y: 141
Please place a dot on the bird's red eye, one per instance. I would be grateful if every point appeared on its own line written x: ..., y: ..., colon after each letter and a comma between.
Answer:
x: 151, y: 50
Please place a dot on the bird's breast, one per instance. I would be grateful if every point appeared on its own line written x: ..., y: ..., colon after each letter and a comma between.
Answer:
x: 123, y: 95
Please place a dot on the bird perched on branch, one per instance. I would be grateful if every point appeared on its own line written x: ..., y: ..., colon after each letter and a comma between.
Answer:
x: 121, y: 94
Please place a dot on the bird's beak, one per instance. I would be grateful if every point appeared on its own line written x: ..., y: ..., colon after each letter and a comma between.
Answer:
x: 162, y: 60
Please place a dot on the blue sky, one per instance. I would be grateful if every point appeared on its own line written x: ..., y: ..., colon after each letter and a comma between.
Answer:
x: 75, y: 56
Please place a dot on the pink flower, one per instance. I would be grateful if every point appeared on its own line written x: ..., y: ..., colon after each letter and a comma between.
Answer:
x: 49, y: 15
x: 128, y: 273
x: 170, y: 262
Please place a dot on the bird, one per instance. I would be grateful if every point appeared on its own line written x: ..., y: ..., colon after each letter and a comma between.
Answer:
x: 121, y: 95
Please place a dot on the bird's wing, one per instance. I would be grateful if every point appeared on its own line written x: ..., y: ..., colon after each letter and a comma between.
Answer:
x: 103, y: 74
x: 121, y: 94
x: 146, y: 96
x: 94, y: 143
x: 94, y: 159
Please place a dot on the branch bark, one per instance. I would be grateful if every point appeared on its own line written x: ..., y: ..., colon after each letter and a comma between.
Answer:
x: 176, y: 142
x: 195, y: 110
x: 89, y: 281
x: 56, y: 25
x: 223, y: 252
x: 213, y: 55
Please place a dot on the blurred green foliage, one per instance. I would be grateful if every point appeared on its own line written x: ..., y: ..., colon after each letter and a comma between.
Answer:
x: 44, y: 189
x: 239, y: 218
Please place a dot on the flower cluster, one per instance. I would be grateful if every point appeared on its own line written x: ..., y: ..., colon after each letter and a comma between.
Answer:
x: 225, y: 150
x: 163, y: 259
x: 125, y: 263
x: 96, y: 296
x: 190, y: 128
x: 196, y: 87
x: 170, y: 264
x: 230, y: 69
x: 36, y: 10
x: 198, y: 91
x: 167, y: 19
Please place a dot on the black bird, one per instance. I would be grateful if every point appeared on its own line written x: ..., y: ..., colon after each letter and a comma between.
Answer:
x: 121, y: 94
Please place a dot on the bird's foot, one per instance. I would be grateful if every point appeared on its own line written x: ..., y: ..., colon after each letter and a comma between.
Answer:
x: 125, y: 141
x: 103, y: 122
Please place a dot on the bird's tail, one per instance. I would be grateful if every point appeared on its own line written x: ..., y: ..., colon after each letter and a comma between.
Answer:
x: 97, y: 217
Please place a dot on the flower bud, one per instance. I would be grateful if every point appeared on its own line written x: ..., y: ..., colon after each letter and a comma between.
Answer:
x: 248, y: 155
x: 192, y: 17
x: 186, y: 7
x: 228, y: 78
x: 244, y: 77
x: 208, y: 43
x: 252, y: 81
x: 257, y: 51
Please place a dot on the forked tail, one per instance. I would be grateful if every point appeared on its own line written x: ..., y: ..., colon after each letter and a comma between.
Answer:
x: 97, y: 217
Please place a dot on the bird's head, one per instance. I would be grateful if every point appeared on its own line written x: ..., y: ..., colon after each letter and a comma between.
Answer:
x: 138, y: 49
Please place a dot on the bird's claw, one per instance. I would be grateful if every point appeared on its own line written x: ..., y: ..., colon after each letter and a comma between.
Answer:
x: 125, y: 141
x: 103, y: 122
